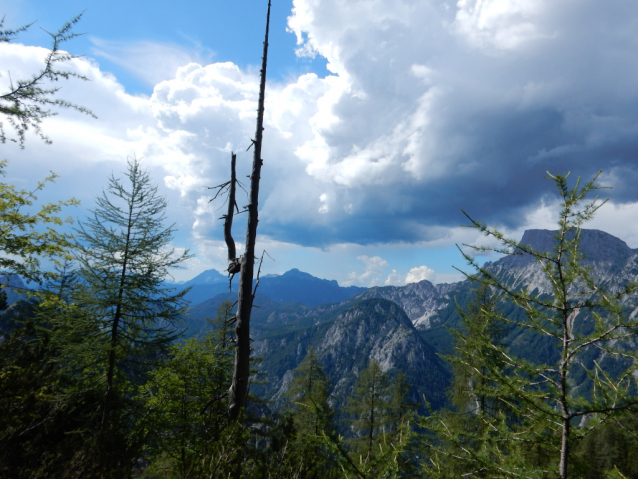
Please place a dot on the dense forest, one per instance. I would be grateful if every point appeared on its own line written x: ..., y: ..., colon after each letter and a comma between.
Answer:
x: 97, y: 379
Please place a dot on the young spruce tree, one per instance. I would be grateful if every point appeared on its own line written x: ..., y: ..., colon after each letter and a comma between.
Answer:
x: 380, y: 415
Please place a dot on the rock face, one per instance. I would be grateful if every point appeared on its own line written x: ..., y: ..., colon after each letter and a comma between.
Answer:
x: 613, y: 264
x: 420, y: 301
x: 371, y: 329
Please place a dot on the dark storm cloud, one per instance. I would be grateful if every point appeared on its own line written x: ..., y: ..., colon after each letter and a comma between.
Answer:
x: 466, y: 108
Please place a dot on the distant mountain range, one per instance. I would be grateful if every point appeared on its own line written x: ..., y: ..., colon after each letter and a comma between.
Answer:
x: 294, y: 285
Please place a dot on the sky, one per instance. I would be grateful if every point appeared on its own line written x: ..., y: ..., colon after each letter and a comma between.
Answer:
x: 385, y: 121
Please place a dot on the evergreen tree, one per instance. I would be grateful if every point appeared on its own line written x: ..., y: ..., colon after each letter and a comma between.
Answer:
x: 187, y: 415
x: 368, y: 405
x: 312, y: 418
x: 470, y: 363
x: 308, y: 393
x: 379, y: 415
x: 610, y: 446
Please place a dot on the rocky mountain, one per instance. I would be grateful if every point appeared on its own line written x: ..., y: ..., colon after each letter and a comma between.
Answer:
x: 369, y: 329
x: 404, y: 326
x: 613, y: 264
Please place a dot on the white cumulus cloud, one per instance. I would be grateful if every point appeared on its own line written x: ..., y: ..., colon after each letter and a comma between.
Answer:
x: 419, y: 274
x: 374, y: 267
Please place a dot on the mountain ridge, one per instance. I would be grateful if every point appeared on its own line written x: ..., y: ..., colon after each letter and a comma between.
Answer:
x: 292, y: 286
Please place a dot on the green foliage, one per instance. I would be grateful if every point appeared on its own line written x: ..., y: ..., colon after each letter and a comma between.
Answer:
x: 380, y: 416
x: 34, y: 421
x: 609, y: 450
x: 309, y: 392
x: 472, y: 361
x: 469, y: 435
x: 45, y: 414
x: 114, y: 323
x: 312, y: 417
x: 28, y: 101
x: 367, y: 406
x: 29, y: 237
x: 185, y: 400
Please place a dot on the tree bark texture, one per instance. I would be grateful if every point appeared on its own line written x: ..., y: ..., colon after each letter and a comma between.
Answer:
x: 237, y: 395
x: 233, y: 263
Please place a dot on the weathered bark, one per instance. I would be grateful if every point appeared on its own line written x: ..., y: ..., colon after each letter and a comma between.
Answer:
x: 238, y: 392
x: 233, y: 263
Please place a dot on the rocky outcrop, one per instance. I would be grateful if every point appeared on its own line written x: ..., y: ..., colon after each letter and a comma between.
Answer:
x: 420, y: 301
x: 612, y: 263
x: 379, y: 329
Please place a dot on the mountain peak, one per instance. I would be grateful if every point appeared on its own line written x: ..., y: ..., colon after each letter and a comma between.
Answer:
x: 597, y: 246
x: 210, y: 276
x: 595, y: 243
x: 295, y: 272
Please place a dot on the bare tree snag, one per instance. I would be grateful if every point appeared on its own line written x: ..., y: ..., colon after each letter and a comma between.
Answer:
x: 237, y: 395
x: 234, y: 263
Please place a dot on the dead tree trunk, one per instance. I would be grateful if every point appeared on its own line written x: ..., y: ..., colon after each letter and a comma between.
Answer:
x: 233, y: 262
x: 238, y: 392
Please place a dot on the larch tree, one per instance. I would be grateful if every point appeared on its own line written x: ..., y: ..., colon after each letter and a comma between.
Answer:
x: 368, y: 405
x: 27, y: 101
x: 312, y: 417
x: 308, y: 393
x: 124, y: 258
x: 580, y: 318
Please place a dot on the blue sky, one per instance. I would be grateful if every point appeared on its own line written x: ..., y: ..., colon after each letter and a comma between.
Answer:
x: 385, y: 118
x: 214, y: 30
